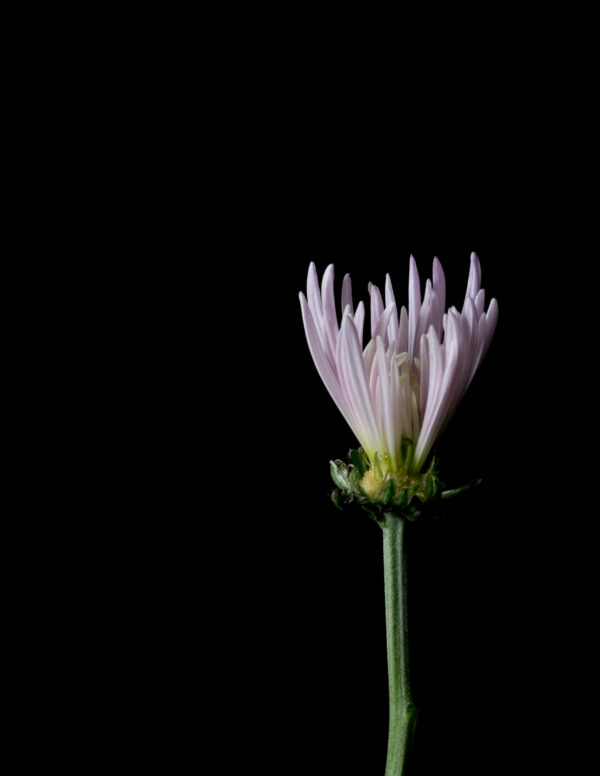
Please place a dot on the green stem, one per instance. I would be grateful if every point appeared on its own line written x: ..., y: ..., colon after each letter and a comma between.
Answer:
x: 403, y: 712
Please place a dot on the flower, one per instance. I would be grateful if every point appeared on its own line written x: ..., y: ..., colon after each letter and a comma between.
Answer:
x: 398, y: 392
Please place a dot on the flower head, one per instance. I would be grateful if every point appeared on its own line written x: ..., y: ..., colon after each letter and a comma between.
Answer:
x: 397, y: 392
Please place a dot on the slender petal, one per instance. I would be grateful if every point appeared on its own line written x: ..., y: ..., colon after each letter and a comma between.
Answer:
x: 328, y: 298
x: 359, y: 320
x: 387, y: 415
x: 428, y: 315
x: 474, y: 282
x: 424, y: 374
x: 313, y: 293
x: 414, y: 305
x: 327, y: 371
x: 381, y: 329
x: 442, y: 384
x: 491, y: 318
x: 330, y: 323
x: 480, y: 301
x: 391, y: 299
x: 376, y: 308
x: 355, y: 384
x: 347, y: 294
x: 439, y: 286
x: 402, y: 344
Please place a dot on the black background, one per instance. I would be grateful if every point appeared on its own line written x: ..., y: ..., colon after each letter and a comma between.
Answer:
x: 235, y: 613
x: 495, y: 588
x: 272, y: 599
x: 225, y: 611
x: 246, y: 613
x: 198, y: 597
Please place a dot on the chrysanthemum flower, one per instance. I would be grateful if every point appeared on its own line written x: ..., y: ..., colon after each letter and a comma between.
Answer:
x: 397, y: 392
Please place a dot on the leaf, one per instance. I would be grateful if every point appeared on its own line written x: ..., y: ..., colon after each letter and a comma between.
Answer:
x: 455, y: 491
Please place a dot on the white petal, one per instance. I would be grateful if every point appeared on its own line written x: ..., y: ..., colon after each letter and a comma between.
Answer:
x: 347, y: 294
x: 382, y: 324
x: 414, y: 305
x: 359, y: 320
x: 434, y: 396
x: 439, y: 286
x: 480, y: 301
x: 427, y: 316
x: 369, y: 356
x: 402, y: 343
x: 326, y: 370
x: 330, y: 322
x: 354, y: 381
x: 492, y: 320
x: 474, y: 282
x: 313, y: 293
x: 424, y: 373
x: 376, y: 307
x: 390, y: 299
x: 387, y: 415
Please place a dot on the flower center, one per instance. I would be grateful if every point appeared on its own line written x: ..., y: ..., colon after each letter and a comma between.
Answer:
x: 373, y: 484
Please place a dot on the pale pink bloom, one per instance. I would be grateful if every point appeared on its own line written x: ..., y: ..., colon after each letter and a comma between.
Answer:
x: 399, y: 391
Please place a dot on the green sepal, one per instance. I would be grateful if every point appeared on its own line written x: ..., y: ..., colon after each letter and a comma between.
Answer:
x: 388, y: 492
x: 354, y: 480
x: 336, y: 497
x: 402, y: 499
x: 358, y: 462
x: 431, y: 488
x: 338, y: 474
x: 407, y: 451
x: 377, y: 466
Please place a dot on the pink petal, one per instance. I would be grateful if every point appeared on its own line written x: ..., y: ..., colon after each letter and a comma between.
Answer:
x: 414, y: 305
x: 390, y: 299
x: 386, y: 415
x: 354, y: 380
x: 474, y: 282
x: 347, y: 294
x: 376, y: 307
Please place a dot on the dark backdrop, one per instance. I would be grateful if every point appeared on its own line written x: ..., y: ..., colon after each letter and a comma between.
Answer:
x: 259, y: 608
x: 213, y: 610
x: 493, y: 587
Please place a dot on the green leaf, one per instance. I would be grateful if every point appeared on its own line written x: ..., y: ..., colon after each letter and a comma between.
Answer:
x: 455, y: 491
